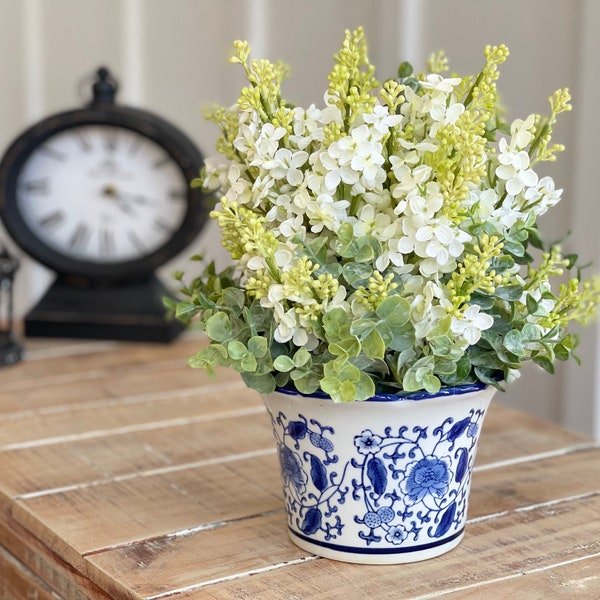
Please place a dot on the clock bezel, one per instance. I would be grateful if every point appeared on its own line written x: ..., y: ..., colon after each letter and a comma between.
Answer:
x: 173, y: 141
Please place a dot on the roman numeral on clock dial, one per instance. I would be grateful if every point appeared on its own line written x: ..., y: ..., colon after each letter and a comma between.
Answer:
x: 80, y: 236
x: 107, y: 242
x: 82, y: 140
x: 37, y: 186
x: 162, y: 224
x: 136, y: 241
x: 110, y: 140
x: 53, y: 219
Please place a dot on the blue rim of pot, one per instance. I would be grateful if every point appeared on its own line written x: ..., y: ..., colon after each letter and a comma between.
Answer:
x: 467, y: 388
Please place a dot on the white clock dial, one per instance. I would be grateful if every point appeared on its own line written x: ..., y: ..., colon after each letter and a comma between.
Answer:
x: 102, y: 193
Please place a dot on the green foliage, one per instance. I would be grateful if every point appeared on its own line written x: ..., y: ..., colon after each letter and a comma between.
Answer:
x: 385, y: 242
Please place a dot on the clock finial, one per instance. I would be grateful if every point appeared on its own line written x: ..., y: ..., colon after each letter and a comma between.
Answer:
x: 105, y: 87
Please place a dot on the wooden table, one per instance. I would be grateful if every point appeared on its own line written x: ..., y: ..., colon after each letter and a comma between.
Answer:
x: 126, y: 474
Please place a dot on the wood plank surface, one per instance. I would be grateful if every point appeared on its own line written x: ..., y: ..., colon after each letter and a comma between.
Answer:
x: 17, y: 581
x: 488, y: 500
x: 54, y: 467
x: 126, y: 474
x: 493, y: 549
x: 45, y: 565
x: 574, y: 579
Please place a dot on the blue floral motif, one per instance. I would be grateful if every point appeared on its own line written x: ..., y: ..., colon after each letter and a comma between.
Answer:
x: 367, y: 443
x: 401, y: 486
x: 428, y: 476
x: 291, y: 467
x: 396, y: 534
x: 472, y: 430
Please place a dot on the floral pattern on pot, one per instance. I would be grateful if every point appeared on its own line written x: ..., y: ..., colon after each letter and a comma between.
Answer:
x: 407, y: 486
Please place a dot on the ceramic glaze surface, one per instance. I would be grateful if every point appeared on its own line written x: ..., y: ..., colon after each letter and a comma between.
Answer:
x: 377, y: 482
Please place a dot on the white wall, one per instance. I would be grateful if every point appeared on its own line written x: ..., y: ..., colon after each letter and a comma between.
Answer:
x: 170, y: 56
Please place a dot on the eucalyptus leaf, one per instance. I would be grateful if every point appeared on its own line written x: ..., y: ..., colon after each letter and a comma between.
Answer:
x: 513, y: 342
x: 545, y: 363
x: 355, y: 273
x: 347, y: 347
x: 234, y: 299
x: 283, y: 363
x: 335, y: 322
x: 532, y: 304
x: 259, y: 346
x: 361, y: 328
x: 236, y: 350
x: 394, y: 310
x: 405, y: 70
x: 202, y: 300
x: 302, y: 358
x: 306, y: 383
x: 265, y: 384
x: 511, y: 293
x: 248, y: 363
x: 218, y: 327
x: 373, y: 346
x: 365, y: 254
x: 185, y: 310
x: 514, y: 248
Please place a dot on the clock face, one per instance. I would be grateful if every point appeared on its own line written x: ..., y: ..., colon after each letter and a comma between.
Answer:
x: 102, y: 194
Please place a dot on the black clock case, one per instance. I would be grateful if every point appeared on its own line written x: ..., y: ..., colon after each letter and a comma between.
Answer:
x: 121, y: 301
x: 99, y: 310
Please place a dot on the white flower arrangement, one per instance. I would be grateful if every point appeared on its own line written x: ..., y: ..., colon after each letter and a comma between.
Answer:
x: 383, y: 241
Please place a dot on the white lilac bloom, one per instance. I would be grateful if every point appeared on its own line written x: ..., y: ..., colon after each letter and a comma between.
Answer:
x: 368, y: 162
x: 439, y: 243
x: 254, y: 263
x: 286, y: 165
x: 268, y: 140
x: 288, y: 327
x: 307, y: 126
x: 215, y: 174
x: 438, y: 103
x: 394, y: 253
x: 326, y: 212
x: 381, y: 200
x: 239, y: 188
x: 482, y: 203
x: 281, y: 209
x: 507, y: 214
x: 428, y: 305
x: 262, y: 188
x: 434, y: 81
x: 348, y: 147
x: 514, y: 169
x: 245, y: 142
x: 381, y: 120
x: 408, y: 179
x: 383, y: 226
x: 336, y: 173
x: 289, y: 228
x: 542, y: 197
x: 471, y: 324
x: 521, y: 132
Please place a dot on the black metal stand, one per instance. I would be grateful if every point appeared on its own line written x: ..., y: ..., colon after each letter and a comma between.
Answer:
x: 125, y: 312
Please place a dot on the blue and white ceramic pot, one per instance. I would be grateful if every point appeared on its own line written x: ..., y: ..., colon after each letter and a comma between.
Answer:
x: 382, y: 481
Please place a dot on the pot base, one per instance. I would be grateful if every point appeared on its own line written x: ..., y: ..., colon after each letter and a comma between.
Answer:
x: 377, y: 557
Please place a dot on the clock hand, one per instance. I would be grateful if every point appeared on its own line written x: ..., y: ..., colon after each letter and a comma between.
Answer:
x: 139, y: 198
x: 111, y: 192
x: 124, y: 205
